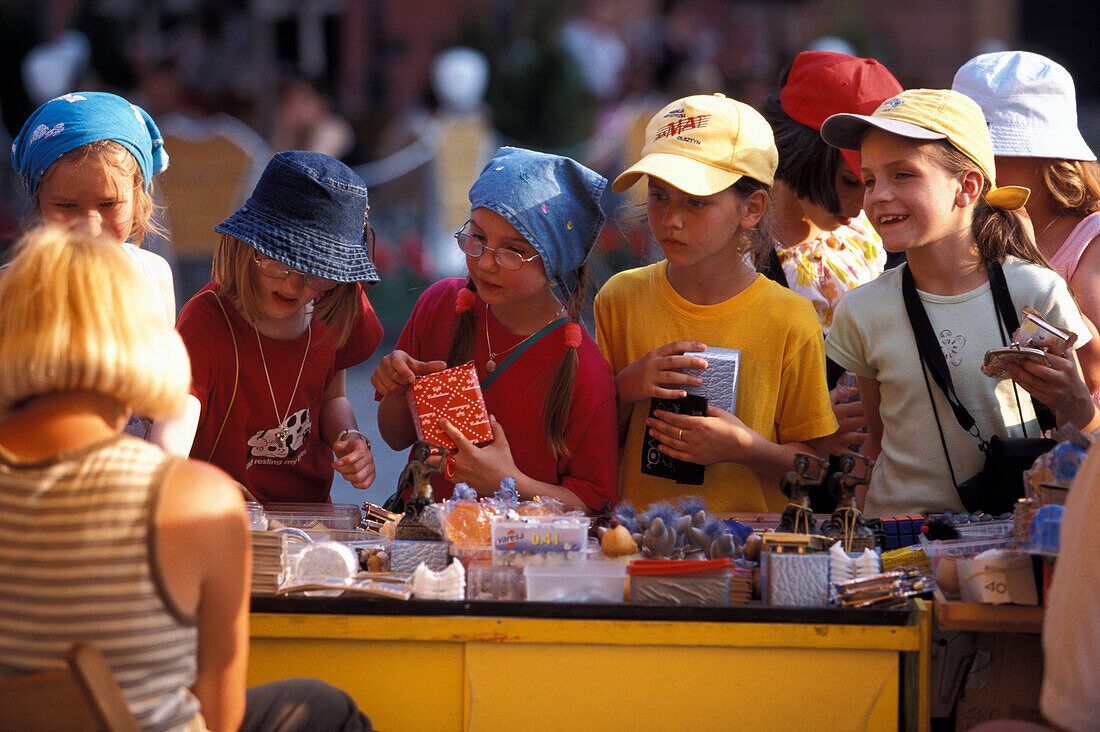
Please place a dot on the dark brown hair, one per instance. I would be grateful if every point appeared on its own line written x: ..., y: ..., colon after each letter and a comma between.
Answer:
x: 807, y: 164
x: 559, y: 394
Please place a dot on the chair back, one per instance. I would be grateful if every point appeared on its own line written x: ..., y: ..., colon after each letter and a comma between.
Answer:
x: 84, y: 697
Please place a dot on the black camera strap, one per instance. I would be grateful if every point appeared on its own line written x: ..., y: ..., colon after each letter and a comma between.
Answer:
x: 932, y: 359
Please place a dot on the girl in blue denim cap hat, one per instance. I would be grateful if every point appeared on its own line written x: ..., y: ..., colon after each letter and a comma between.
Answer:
x: 88, y: 159
x: 533, y: 221
x: 271, y: 336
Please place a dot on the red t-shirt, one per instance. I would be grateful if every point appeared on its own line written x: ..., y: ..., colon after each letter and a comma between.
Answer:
x: 515, y: 398
x: 298, y: 467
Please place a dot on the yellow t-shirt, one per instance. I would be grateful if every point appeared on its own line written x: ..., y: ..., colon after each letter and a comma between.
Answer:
x: 781, y: 391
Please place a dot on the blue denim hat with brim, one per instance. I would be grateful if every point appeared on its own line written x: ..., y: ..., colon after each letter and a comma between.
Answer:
x: 309, y: 211
x: 552, y: 201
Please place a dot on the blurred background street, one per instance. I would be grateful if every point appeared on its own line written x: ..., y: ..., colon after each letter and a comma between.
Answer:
x: 417, y: 94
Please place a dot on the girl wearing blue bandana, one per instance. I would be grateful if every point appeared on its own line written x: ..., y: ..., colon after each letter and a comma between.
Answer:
x: 88, y: 159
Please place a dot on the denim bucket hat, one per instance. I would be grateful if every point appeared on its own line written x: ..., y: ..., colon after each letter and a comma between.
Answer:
x: 552, y: 201
x: 309, y: 211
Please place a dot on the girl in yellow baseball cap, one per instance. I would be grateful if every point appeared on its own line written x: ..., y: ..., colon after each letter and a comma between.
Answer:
x: 917, y: 336
x: 709, y: 162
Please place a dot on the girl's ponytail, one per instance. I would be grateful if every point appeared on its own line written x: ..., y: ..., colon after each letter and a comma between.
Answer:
x: 462, y: 346
x: 559, y: 397
x: 998, y: 232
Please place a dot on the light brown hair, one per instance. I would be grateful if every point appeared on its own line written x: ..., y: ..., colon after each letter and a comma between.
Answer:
x: 123, y: 170
x: 232, y: 271
x: 996, y: 232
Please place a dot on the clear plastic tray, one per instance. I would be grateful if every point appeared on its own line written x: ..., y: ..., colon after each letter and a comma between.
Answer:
x: 964, y: 547
x: 592, y: 581
x: 312, y: 515
x: 981, y: 529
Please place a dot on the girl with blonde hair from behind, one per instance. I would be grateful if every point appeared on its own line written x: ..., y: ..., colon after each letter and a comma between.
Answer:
x: 153, y: 548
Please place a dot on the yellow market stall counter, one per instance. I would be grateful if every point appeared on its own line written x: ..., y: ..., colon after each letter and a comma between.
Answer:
x: 531, y: 665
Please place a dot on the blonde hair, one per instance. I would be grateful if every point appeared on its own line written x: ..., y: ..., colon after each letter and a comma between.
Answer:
x: 1074, y: 185
x: 123, y: 170
x: 74, y: 318
x: 232, y: 271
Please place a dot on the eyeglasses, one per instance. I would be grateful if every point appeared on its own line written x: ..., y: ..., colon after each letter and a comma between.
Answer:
x: 506, y: 258
x: 277, y: 270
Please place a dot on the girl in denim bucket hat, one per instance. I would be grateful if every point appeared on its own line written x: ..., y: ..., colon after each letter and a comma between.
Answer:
x: 1031, y: 107
x: 916, y: 337
x: 271, y: 336
x: 88, y: 159
x: 533, y: 222
x: 709, y: 162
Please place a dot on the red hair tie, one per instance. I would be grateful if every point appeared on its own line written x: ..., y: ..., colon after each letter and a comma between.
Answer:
x: 464, y: 301
x: 573, y: 335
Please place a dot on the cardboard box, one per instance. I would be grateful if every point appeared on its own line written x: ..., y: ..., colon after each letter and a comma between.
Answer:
x: 998, y: 577
x: 1003, y: 682
x: 456, y: 395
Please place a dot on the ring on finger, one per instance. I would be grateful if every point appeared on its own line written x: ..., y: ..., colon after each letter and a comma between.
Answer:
x: 681, y: 437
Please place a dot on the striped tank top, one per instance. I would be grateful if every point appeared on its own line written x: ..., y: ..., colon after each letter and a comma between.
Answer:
x: 77, y: 564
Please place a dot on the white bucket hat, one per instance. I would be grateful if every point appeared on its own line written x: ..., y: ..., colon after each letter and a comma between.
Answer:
x: 1028, y: 101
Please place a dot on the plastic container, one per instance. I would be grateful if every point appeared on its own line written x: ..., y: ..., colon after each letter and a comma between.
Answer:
x: 680, y: 581
x: 594, y: 581
x: 345, y: 516
x: 963, y: 547
x: 983, y: 529
x: 486, y: 581
x: 541, y: 540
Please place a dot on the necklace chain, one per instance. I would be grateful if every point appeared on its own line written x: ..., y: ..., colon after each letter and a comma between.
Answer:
x: 1049, y: 224
x: 491, y: 364
x: 281, y: 434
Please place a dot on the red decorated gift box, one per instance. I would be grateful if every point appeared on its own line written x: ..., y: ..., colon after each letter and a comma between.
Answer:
x: 456, y: 395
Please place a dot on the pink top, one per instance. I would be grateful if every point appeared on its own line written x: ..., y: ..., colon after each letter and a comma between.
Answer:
x: 1069, y: 254
x: 1065, y: 260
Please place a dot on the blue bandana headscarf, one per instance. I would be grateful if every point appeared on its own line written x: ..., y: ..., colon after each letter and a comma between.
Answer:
x: 76, y: 119
x: 552, y: 201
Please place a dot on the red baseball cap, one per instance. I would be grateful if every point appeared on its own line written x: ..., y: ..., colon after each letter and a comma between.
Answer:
x: 824, y: 83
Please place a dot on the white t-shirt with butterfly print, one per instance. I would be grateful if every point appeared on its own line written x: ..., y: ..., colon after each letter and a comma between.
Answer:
x: 872, y: 338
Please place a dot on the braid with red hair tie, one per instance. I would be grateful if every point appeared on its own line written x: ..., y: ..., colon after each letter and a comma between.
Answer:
x: 573, y: 335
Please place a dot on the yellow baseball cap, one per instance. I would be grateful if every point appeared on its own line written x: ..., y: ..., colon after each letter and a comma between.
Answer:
x: 703, y: 144
x: 930, y: 114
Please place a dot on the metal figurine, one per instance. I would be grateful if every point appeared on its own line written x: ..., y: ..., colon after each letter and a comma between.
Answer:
x: 797, y: 517
x: 417, y: 476
x: 846, y: 524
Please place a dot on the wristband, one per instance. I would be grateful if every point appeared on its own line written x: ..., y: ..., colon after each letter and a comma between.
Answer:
x: 344, y: 433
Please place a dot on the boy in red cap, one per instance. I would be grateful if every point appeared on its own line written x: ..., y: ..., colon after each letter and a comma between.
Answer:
x: 824, y: 245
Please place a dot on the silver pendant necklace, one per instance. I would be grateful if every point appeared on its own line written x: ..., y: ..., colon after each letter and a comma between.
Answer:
x: 492, y: 363
x: 281, y: 432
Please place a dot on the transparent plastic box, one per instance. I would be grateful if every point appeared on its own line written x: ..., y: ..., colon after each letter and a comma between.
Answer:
x: 592, y: 581
x: 545, y: 540
x: 346, y: 516
x: 963, y: 547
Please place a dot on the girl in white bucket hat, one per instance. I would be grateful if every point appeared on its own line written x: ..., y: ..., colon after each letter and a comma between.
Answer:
x: 1028, y: 101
